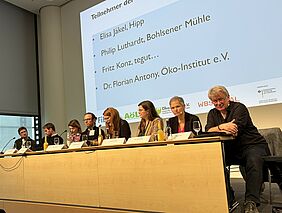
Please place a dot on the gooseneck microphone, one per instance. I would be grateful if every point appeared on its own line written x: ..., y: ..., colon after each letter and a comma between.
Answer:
x: 9, y: 141
x: 63, y: 132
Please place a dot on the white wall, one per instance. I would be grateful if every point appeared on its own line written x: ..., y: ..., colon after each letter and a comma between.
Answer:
x: 72, y: 58
x: 263, y: 117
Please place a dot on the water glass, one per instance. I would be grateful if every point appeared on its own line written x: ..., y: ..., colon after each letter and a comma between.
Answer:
x: 168, y: 133
x: 108, y: 136
x: 56, y: 141
x: 196, y: 126
x: 84, y: 137
x: 156, y: 138
x: 115, y: 134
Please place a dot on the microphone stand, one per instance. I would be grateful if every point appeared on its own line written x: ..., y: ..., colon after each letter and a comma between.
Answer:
x: 63, y: 132
x: 7, y: 145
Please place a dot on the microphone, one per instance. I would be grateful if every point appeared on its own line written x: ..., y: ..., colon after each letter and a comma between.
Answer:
x: 63, y: 132
x: 9, y: 141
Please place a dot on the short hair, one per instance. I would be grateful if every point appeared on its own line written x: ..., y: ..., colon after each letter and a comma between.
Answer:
x: 75, y: 123
x: 92, y: 115
x: 21, y: 128
x: 216, y: 90
x: 49, y: 126
x: 177, y: 98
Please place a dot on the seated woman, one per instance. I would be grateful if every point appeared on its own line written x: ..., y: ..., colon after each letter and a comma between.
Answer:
x: 183, y: 121
x: 115, y: 126
x: 74, y: 132
x: 150, y: 120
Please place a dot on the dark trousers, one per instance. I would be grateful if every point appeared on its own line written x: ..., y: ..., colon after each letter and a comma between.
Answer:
x: 250, y: 157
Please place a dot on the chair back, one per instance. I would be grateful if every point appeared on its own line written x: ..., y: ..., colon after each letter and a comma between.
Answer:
x: 273, y: 137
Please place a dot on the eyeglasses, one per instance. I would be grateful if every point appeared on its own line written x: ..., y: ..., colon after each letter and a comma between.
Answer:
x: 218, y: 100
x: 87, y: 119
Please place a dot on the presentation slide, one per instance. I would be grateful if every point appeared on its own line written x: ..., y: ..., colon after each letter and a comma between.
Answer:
x: 136, y: 50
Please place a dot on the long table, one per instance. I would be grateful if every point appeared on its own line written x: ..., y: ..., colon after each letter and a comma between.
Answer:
x: 178, y: 176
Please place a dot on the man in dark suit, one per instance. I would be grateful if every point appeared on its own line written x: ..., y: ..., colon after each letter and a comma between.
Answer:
x: 24, y: 140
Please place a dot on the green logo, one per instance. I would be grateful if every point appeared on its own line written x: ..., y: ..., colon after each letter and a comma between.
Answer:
x: 135, y: 115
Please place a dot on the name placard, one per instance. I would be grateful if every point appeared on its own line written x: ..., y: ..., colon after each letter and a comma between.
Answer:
x: 114, y: 141
x: 77, y: 145
x: 23, y: 150
x: 181, y: 136
x: 55, y: 147
x: 10, y: 151
x: 141, y: 139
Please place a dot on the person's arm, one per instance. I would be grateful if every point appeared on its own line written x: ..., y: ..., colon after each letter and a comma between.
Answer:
x: 83, y: 135
x: 103, y: 133
x: 173, y: 124
x: 241, y: 116
x: 211, y: 123
x: 33, y: 145
x: 214, y: 125
x: 156, y: 123
x: 154, y: 127
x: 139, y: 132
x: 40, y: 145
x: 229, y: 127
x: 61, y: 139
x: 15, y: 145
x: 125, y: 130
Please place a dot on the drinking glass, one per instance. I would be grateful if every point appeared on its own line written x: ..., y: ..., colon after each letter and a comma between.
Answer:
x: 84, y: 137
x: 56, y: 141
x: 69, y: 139
x: 108, y: 135
x: 168, y: 132
x: 196, y: 126
x: 115, y: 134
x: 155, y: 137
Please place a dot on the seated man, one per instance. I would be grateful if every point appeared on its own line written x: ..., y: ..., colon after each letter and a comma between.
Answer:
x: 51, y: 135
x: 19, y: 143
x: 92, y: 131
x: 247, y: 149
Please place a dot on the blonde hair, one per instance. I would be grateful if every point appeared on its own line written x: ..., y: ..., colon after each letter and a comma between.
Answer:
x: 177, y: 98
x: 214, y: 91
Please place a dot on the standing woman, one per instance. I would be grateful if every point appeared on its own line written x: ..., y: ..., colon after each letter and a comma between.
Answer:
x: 183, y: 121
x: 116, y: 126
x: 150, y: 120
